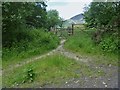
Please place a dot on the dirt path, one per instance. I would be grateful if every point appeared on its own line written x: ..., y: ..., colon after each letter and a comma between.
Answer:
x: 109, y: 80
x: 69, y: 54
x: 59, y: 49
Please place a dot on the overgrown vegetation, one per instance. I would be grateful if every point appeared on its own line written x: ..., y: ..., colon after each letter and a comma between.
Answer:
x: 25, y: 30
x: 17, y: 17
x: 26, y: 34
x: 82, y: 43
x: 105, y: 18
x: 54, y: 69
x: 37, y: 42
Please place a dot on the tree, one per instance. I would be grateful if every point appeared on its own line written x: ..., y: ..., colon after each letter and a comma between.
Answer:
x: 17, y: 16
x: 53, y: 18
x: 38, y: 18
x: 101, y: 14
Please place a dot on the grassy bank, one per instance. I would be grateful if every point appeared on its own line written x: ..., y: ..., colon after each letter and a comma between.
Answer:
x: 37, y: 42
x: 54, y: 69
x: 82, y: 44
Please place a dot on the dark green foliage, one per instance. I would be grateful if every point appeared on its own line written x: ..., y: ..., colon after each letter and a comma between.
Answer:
x: 37, y: 41
x: 38, y: 17
x: 110, y: 43
x: 101, y: 14
x: 17, y: 16
x: 20, y: 38
x: 105, y: 18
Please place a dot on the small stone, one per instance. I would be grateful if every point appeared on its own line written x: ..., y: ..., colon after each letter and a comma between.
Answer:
x: 109, y: 65
x: 66, y: 82
x: 108, y: 79
x: 17, y: 84
x: 77, y: 81
x: 94, y: 85
x: 106, y: 85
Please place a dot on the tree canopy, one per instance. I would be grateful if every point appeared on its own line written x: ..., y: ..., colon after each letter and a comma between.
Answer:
x: 19, y: 17
x: 53, y: 18
x: 102, y: 14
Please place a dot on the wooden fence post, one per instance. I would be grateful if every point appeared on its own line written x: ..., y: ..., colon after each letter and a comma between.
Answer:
x: 72, y: 28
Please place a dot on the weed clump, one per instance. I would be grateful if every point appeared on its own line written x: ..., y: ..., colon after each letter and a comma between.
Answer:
x: 29, y: 74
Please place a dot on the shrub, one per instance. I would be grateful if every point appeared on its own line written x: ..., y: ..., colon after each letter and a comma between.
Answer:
x: 37, y: 42
x: 109, y: 44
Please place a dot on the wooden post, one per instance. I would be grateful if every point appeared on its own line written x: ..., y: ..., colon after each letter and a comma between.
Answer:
x: 72, y: 28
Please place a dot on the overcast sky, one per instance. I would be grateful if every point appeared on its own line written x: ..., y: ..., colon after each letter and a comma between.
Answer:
x: 68, y: 8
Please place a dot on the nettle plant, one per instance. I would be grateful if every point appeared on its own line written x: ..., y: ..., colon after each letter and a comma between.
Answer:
x: 29, y: 75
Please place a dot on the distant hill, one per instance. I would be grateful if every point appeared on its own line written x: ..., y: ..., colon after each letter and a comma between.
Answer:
x: 77, y: 19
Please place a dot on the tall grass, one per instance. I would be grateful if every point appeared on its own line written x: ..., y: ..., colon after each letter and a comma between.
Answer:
x: 82, y: 43
x: 37, y: 42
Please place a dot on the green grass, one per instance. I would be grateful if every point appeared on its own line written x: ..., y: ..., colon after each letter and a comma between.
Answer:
x: 0, y: 75
x: 0, y: 82
x: 39, y: 42
x: 82, y: 44
x: 0, y: 68
x: 53, y: 69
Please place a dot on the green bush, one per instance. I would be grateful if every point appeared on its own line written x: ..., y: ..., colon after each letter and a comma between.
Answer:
x: 109, y: 44
x: 37, y: 42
